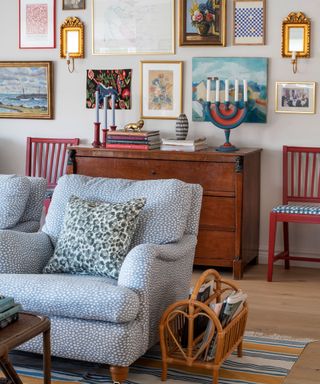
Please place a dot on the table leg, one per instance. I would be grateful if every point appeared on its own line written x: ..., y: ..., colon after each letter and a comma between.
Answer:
x: 9, y: 371
x: 46, y: 357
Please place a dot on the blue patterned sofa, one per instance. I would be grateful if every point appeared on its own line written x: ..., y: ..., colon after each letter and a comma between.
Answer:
x: 96, y: 318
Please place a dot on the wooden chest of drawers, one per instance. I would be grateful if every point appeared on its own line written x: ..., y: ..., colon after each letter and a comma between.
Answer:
x: 229, y: 222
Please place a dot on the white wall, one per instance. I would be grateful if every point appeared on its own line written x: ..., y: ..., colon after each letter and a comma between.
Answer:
x: 72, y: 119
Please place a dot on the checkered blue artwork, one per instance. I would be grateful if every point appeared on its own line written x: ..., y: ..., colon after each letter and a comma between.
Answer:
x: 249, y: 22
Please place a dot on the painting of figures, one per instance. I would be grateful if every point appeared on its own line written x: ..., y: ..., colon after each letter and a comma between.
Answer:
x: 26, y: 90
x: 254, y: 70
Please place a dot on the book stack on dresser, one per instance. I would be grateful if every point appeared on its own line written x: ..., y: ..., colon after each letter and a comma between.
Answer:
x: 143, y: 140
x: 9, y: 311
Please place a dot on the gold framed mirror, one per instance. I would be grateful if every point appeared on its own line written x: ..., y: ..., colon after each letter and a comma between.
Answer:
x: 296, y: 35
x: 72, y: 38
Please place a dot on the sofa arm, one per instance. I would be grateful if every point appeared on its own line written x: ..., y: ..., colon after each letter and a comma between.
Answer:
x: 24, y: 252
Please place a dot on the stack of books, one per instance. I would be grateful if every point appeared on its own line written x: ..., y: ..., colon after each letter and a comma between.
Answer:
x: 190, y: 145
x: 143, y: 140
x: 9, y: 311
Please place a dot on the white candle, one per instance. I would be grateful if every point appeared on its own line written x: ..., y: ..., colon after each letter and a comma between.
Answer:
x: 226, y: 84
x: 67, y: 55
x: 245, y: 90
x: 208, y: 88
x: 217, y: 90
x: 294, y: 55
x: 113, y: 98
x: 97, y: 106
x: 236, y: 90
x: 105, y: 108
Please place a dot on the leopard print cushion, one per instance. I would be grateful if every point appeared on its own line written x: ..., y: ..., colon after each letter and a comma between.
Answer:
x: 95, y: 238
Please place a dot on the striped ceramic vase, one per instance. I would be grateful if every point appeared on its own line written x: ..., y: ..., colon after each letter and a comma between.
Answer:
x: 182, y: 126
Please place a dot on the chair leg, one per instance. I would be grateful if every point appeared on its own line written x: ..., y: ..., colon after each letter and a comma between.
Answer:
x: 119, y: 374
x: 215, y: 377
x: 272, y: 239
x: 286, y: 245
x: 239, y: 350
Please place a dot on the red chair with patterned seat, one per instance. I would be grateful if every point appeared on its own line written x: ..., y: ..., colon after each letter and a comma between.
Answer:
x: 301, y: 193
x: 47, y: 157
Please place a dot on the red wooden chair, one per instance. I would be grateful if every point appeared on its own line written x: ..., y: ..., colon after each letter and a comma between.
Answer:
x: 301, y: 190
x: 47, y: 158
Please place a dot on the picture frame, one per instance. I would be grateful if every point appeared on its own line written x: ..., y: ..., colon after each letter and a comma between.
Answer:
x: 37, y: 24
x: 26, y: 89
x: 295, y: 97
x: 249, y: 22
x: 161, y: 89
x: 202, y: 27
x: 133, y: 27
x: 73, y: 5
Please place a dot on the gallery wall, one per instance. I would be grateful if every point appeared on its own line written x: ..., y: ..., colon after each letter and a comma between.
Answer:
x: 72, y: 119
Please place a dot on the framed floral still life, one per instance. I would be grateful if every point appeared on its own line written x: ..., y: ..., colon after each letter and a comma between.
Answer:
x: 202, y: 22
x: 37, y: 24
x: 161, y: 89
x: 295, y: 97
x: 26, y: 90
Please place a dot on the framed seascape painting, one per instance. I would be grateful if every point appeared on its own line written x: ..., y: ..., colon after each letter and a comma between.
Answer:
x: 26, y: 90
x: 295, y: 97
x: 249, y: 22
x: 37, y: 24
x: 202, y: 22
x: 71, y: 5
x: 254, y: 70
x: 129, y: 27
x: 161, y: 89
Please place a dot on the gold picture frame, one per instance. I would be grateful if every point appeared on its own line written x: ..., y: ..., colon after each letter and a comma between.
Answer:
x: 207, y: 31
x: 26, y: 90
x: 161, y: 90
x: 295, y: 97
x: 296, y: 32
x: 72, y: 38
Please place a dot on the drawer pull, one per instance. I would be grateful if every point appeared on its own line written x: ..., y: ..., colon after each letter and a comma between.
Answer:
x: 153, y: 172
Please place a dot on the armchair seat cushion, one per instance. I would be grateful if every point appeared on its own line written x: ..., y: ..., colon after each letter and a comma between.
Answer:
x: 74, y: 296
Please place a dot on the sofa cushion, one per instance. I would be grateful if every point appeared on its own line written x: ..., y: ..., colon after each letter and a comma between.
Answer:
x: 82, y: 297
x: 163, y: 219
x: 14, y: 194
x: 96, y: 237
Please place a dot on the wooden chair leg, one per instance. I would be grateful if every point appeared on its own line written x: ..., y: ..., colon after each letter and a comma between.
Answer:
x: 119, y: 374
x: 239, y: 350
x: 286, y: 245
x: 164, y: 371
x: 215, y: 375
x: 272, y: 239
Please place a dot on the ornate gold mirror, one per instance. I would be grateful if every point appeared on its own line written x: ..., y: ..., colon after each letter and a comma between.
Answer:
x: 72, y: 38
x: 296, y: 35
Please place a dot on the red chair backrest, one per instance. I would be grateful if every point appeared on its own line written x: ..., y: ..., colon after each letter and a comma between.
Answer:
x: 301, y: 174
x: 47, y: 158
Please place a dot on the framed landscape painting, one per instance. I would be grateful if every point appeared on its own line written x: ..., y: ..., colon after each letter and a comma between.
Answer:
x: 295, y: 97
x: 161, y: 89
x: 253, y: 69
x: 26, y: 90
x: 202, y: 22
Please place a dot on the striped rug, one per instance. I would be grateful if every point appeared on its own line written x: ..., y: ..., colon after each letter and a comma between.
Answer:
x: 265, y: 360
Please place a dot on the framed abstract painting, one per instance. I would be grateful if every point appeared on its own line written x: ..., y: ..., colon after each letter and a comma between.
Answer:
x: 161, y: 89
x: 249, y: 22
x: 37, y: 24
x: 202, y: 22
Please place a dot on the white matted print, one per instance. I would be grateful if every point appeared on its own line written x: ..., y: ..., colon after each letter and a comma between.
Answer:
x: 295, y: 97
x: 161, y: 89
x: 37, y: 23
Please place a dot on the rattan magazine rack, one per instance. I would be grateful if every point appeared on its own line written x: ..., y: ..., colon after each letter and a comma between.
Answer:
x: 181, y: 345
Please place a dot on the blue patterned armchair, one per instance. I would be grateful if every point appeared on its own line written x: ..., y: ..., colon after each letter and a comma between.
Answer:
x: 97, y: 318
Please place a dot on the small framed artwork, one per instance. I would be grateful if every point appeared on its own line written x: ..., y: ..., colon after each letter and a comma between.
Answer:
x: 161, y: 89
x: 37, y: 24
x: 202, y: 22
x: 71, y: 5
x: 249, y: 22
x: 26, y: 89
x: 295, y: 97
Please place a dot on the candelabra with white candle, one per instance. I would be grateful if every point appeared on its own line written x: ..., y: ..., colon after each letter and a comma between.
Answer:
x: 96, y: 125
x: 227, y: 115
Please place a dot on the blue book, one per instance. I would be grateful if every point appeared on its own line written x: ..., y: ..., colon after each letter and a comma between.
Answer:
x: 5, y: 303
x: 9, y: 312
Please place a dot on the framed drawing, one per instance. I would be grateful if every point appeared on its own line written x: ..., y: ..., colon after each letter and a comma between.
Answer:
x: 129, y: 27
x: 249, y: 22
x: 161, y: 89
x: 295, y: 97
x: 37, y: 24
x: 71, y: 5
x: 202, y: 22
x: 26, y: 89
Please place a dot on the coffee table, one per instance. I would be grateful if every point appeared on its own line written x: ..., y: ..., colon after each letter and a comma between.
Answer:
x: 24, y: 329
